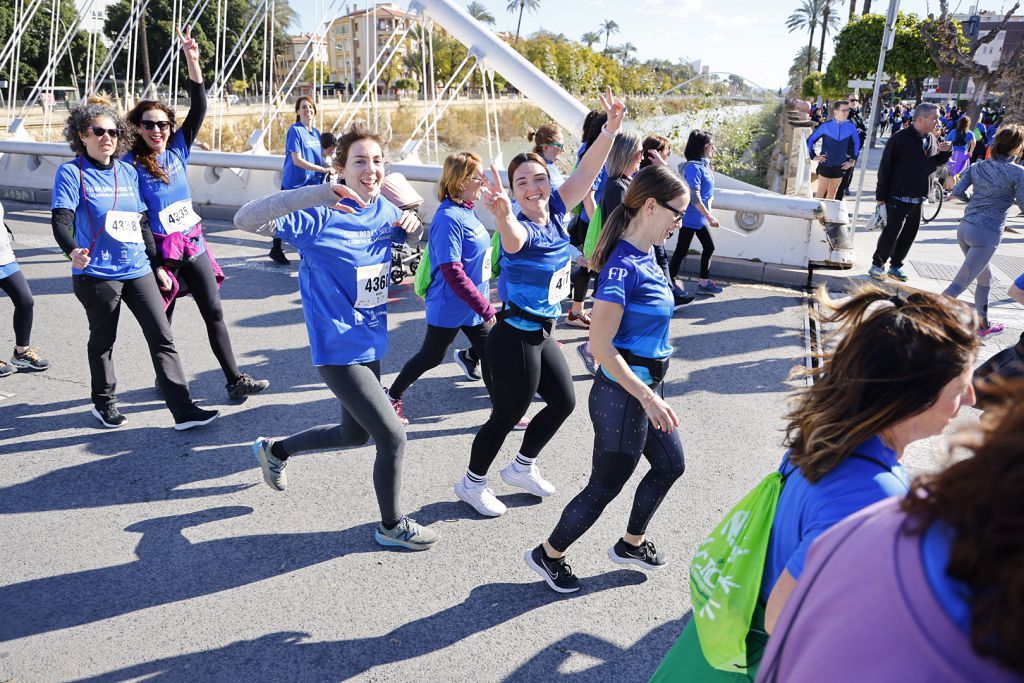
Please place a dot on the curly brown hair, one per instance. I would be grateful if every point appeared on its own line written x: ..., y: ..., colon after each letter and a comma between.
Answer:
x: 145, y: 156
x: 980, y: 500
x: 82, y: 117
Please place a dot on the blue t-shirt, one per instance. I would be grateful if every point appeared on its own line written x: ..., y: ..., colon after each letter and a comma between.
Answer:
x: 953, y: 595
x: 119, y: 252
x: 457, y: 236
x: 170, y: 204
x: 9, y: 269
x: 840, y: 142
x: 307, y: 144
x: 701, y: 180
x: 536, y: 278
x: 805, y: 510
x: 967, y: 136
x: 633, y: 280
x: 1019, y: 282
x: 343, y: 279
x: 556, y: 175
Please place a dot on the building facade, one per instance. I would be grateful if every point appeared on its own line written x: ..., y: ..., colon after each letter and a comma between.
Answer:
x: 355, y: 39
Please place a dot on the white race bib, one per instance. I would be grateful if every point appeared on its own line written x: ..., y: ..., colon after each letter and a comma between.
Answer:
x: 372, y: 285
x: 485, y: 270
x: 558, y: 288
x: 124, y: 226
x: 179, y: 217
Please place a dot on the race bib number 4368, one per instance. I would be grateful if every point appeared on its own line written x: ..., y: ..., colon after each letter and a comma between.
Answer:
x: 124, y: 226
x: 372, y: 285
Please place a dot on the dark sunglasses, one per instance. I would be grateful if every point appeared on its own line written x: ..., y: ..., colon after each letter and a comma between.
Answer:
x: 150, y: 125
x: 665, y: 205
x: 98, y: 131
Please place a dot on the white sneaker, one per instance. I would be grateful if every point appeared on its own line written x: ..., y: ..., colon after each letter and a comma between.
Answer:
x: 531, y: 480
x: 480, y: 498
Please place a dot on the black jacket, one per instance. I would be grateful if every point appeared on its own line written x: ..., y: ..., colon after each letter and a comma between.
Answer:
x: 906, y: 165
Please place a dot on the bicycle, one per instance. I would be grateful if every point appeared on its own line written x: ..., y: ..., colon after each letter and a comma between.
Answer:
x: 933, y: 201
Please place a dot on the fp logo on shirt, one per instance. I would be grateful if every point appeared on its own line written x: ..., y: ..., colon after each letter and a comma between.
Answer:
x: 617, y: 273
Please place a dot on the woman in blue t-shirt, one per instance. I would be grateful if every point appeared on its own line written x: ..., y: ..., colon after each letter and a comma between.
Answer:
x: 160, y: 156
x: 303, y: 160
x: 962, y: 140
x: 549, y: 144
x: 14, y: 284
x: 535, y: 261
x: 99, y: 222
x: 696, y: 171
x: 345, y: 234
x: 630, y: 338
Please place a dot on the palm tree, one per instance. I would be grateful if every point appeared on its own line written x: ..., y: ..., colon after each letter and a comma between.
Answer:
x: 520, y: 5
x: 867, y: 7
x: 608, y: 28
x: 829, y: 20
x: 591, y: 37
x: 626, y: 50
x: 853, y: 9
x: 806, y: 17
x: 480, y: 13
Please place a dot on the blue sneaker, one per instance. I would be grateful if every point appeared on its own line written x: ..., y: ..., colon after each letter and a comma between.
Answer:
x: 898, y: 274
x: 877, y: 272
x: 589, y: 362
x: 710, y: 289
x: 273, y: 468
x: 406, y: 534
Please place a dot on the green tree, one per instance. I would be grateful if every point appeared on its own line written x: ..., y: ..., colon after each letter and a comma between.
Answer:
x: 806, y: 17
x: 627, y: 51
x: 799, y: 68
x: 812, y: 85
x: 608, y: 28
x: 35, y: 47
x: 480, y: 13
x: 520, y: 5
x: 590, y: 37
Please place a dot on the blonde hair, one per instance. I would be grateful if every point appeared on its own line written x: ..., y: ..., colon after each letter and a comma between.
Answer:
x: 458, y: 169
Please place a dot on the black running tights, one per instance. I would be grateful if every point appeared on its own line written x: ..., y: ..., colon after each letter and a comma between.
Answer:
x: 707, y: 246
x: 17, y: 288
x: 435, y: 345
x: 522, y: 364
x: 622, y: 433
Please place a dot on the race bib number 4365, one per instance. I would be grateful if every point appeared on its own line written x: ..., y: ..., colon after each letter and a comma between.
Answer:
x: 124, y: 226
x: 372, y: 285
x: 558, y: 288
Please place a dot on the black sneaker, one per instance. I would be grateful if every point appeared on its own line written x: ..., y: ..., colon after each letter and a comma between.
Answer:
x: 194, y: 416
x: 470, y: 367
x: 110, y: 417
x: 6, y: 369
x: 29, y: 359
x: 556, y: 573
x: 646, y: 556
x: 278, y: 256
x: 244, y: 386
x: 681, y: 297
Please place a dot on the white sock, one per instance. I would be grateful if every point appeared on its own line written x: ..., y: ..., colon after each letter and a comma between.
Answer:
x: 521, y: 463
x: 473, y: 481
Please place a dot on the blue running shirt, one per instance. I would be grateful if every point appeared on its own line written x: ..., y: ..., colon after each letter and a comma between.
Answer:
x: 701, y: 181
x: 119, y: 252
x: 536, y: 278
x: 457, y: 236
x: 343, y: 279
x: 307, y: 144
x: 633, y: 280
x: 170, y: 205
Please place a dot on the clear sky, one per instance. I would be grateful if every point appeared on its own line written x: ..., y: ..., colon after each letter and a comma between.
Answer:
x: 747, y: 37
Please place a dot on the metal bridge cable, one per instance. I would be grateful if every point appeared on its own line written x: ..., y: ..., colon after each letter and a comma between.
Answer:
x: 116, y: 47
x: 19, y: 28
x: 500, y: 159
x: 165, y: 68
x: 433, y: 90
x: 487, y: 112
x: 426, y: 118
x: 432, y: 120
x: 244, y: 40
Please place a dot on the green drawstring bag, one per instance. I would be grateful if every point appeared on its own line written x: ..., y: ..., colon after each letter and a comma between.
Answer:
x: 593, y: 232
x: 422, y: 281
x: 495, y: 254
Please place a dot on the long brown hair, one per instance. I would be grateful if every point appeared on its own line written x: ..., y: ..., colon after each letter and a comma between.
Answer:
x: 658, y: 143
x: 654, y: 181
x: 145, y: 156
x: 980, y: 500
x: 893, y: 355
x: 544, y: 135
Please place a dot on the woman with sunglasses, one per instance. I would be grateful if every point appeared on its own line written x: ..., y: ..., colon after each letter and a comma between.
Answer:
x: 160, y: 156
x: 99, y: 222
x: 548, y: 143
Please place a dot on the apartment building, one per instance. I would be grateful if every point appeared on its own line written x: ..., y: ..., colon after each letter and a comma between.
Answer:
x: 355, y: 39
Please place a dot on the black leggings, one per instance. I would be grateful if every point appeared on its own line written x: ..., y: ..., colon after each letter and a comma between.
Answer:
x: 202, y: 285
x: 435, y: 345
x: 707, y: 246
x: 365, y: 414
x: 622, y: 433
x: 17, y: 288
x: 580, y: 280
x: 522, y: 364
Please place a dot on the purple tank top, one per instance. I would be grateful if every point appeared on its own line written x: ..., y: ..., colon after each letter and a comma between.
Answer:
x: 863, y: 611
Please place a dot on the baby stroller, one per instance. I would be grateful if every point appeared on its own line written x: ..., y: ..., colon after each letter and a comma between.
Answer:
x: 404, y: 258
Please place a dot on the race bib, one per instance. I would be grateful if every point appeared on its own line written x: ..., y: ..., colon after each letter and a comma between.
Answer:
x: 125, y: 226
x: 179, y: 217
x: 372, y: 285
x: 485, y: 270
x: 558, y: 288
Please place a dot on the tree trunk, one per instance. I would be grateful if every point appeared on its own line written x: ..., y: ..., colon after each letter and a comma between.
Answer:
x: 824, y: 34
x: 810, y: 49
x: 147, y: 72
x: 867, y: 7
x: 853, y: 9
x: 520, y: 22
x: 1014, y: 100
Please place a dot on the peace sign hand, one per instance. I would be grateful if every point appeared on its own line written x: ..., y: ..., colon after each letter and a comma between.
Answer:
x: 615, y: 109
x: 344, y: 192
x: 497, y: 201
x: 189, y: 45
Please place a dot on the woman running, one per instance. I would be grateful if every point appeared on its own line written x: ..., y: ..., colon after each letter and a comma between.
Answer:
x: 13, y: 282
x: 345, y: 234
x: 840, y: 145
x: 630, y: 337
x: 303, y: 160
x: 998, y: 183
x: 459, y: 294
x: 99, y: 221
x: 548, y: 143
x: 696, y: 171
x: 962, y: 140
x: 535, y: 262
x: 160, y: 157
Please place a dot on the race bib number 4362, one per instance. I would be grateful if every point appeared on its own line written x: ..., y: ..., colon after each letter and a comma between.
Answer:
x: 372, y: 285
x: 124, y: 226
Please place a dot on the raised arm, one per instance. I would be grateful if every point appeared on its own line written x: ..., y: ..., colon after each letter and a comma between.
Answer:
x: 576, y: 186
x: 513, y: 234
x: 260, y: 215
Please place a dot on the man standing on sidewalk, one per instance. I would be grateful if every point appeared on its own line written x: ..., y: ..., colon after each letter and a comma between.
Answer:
x: 911, y: 155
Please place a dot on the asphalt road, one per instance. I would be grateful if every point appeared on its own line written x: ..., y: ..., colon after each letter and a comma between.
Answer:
x: 145, y: 553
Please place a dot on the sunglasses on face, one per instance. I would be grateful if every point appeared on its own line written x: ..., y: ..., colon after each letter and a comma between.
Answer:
x: 98, y: 131
x: 150, y: 125
x: 674, y: 210
x: 557, y: 145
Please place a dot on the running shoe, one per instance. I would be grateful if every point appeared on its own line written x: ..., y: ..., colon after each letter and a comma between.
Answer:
x: 877, y: 272
x: 30, y: 359
x: 530, y: 480
x: 581, y: 319
x: 396, y: 403
x: 588, y: 358
x: 897, y: 274
x: 278, y: 257
x: 555, y: 572
x: 470, y: 368
x: 6, y: 369
x: 194, y: 416
x: 406, y: 534
x: 480, y: 498
x: 644, y: 556
x: 110, y: 417
x: 272, y: 466
x: 681, y: 297
x: 710, y: 289
x: 993, y: 328
x: 245, y: 386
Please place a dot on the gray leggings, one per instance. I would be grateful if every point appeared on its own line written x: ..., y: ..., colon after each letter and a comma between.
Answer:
x: 365, y: 413
x: 979, y: 246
